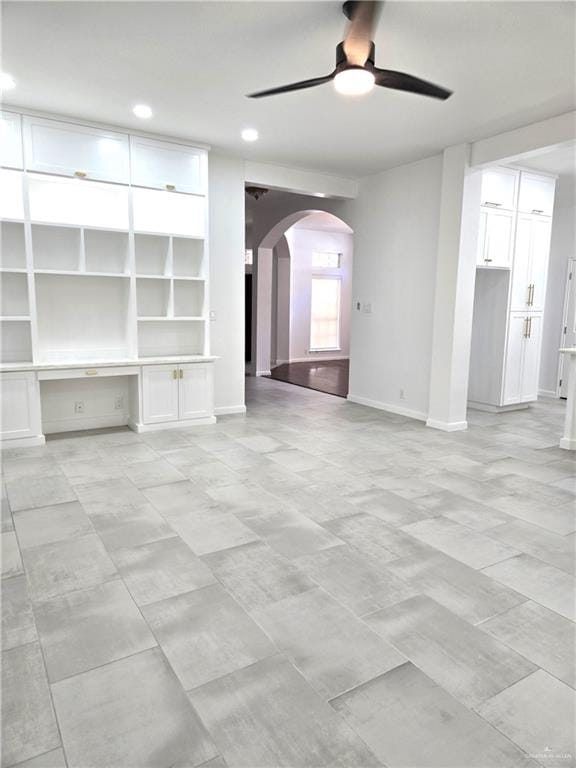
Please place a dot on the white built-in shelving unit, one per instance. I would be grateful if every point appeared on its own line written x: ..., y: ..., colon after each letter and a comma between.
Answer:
x: 104, y: 249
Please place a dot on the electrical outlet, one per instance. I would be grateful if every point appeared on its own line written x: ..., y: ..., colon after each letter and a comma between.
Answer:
x: 119, y: 403
x: 79, y: 406
x: 401, y: 394
x: 367, y: 309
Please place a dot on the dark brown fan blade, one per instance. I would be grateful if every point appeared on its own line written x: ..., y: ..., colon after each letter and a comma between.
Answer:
x: 400, y: 81
x: 360, y: 33
x: 293, y: 86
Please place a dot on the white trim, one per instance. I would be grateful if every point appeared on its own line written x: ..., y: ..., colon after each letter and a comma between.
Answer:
x: 87, y: 422
x: 568, y: 444
x: 570, y: 269
x: 497, y: 408
x: 22, y: 442
x: 137, y: 427
x: 225, y: 410
x: 447, y: 426
x: 548, y: 393
x: 263, y: 373
x: 316, y: 358
x: 389, y: 407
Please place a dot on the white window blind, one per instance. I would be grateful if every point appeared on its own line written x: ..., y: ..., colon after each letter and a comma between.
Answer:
x: 325, y: 260
x: 325, y: 313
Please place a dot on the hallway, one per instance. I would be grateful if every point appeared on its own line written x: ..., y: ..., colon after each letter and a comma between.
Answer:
x: 328, y: 376
x: 315, y: 584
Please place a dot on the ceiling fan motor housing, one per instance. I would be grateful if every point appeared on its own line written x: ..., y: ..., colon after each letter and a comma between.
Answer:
x: 342, y: 61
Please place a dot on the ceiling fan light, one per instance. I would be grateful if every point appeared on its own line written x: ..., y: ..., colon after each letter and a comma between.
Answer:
x: 354, y: 82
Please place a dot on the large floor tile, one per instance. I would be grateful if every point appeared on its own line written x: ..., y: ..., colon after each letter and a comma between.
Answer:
x: 461, y: 658
x: 53, y: 759
x: 128, y: 525
x: 266, y: 715
x: 373, y: 536
x: 332, y: 648
x: 91, y: 470
x: 131, y: 713
x: 28, y: 723
x: 45, y: 525
x: 460, y: 542
x: 210, y: 530
x: 539, y: 581
x: 146, y: 474
x: 160, y: 570
x: 474, y: 514
x: 463, y: 590
x: 257, y: 575
x: 65, y: 566
x: 18, y: 626
x: 409, y: 721
x: 39, y: 491
x: 556, y: 550
x: 11, y: 561
x: 360, y: 582
x: 100, y: 495
x: 537, y: 713
x: 544, y: 637
x: 88, y: 628
x: 289, y: 532
x: 389, y: 507
x: 557, y: 519
x: 205, y: 634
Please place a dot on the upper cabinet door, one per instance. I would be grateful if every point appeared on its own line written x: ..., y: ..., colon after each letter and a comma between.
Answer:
x: 498, y: 239
x: 539, y: 258
x: 75, y: 150
x: 536, y: 194
x: 499, y: 188
x: 162, y: 165
x: 11, y: 155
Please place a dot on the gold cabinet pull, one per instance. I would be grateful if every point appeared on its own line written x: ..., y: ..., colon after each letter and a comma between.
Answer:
x: 181, y: 373
x: 528, y: 296
x: 91, y: 372
x: 525, y: 334
x: 80, y: 174
x: 529, y: 327
x: 170, y: 187
x: 532, y: 294
x: 175, y: 373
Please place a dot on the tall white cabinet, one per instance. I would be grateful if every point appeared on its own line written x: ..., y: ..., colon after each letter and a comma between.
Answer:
x: 512, y: 269
x: 104, y: 272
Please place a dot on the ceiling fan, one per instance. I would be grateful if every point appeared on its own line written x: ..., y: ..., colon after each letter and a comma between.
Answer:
x: 355, y: 72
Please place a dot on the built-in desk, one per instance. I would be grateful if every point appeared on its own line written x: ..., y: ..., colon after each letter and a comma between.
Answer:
x: 165, y: 393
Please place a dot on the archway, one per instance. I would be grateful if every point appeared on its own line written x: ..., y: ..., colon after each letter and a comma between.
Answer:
x: 289, y: 244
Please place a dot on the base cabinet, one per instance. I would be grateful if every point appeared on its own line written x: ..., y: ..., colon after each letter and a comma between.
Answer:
x: 176, y: 392
x: 19, y: 406
x: 522, y: 359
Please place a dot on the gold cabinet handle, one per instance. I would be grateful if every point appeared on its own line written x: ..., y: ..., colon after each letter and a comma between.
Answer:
x: 91, y: 372
x: 170, y: 187
x: 525, y: 334
x: 181, y: 373
x: 532, y: 294
x: 528, y: 296
x: 487, y: 260
x: 529, y: 327
x: 80, y: 174
x: 494, y: 205
x: 175, y: 373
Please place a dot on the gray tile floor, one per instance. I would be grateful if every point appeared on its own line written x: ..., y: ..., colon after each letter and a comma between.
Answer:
x: 314, y: 584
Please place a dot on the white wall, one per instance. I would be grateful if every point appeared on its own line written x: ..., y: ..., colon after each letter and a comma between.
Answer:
x: 226, y: 190
x: 395, y: 222
x: 281, y: 303
x: 302, y: 243
x: 562, y: 248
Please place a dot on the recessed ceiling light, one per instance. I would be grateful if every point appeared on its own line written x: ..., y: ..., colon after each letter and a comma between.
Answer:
x: 354, y: 81
x: 250, y: 134
x: 7, y: 82
x: 143, y: 111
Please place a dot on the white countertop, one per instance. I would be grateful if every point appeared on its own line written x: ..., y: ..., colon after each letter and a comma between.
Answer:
x: 6, y: 367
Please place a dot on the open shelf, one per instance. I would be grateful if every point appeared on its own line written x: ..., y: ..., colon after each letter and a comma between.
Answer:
x: 14, y: 295
x: 151, y: 254
x: 187, y: 257
x: 56, y: 248
x: 170, y: 337
x: 82, y: 318
x: 188, y: 298
x: 12, y: 247
x: 106, y: 251
x: 152, y: 297
x: 15, y: 341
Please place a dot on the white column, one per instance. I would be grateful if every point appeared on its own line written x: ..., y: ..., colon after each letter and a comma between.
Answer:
x: 261, y: 336
x: 454, y: 295
x: 568, y: 440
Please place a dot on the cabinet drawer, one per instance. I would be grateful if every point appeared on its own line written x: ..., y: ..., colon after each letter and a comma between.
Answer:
x: 88, y: 373
x: 67, y: 149
x: 162, y: 165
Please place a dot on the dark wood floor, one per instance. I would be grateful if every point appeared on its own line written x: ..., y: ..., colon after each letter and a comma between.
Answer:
x: 330, y: 376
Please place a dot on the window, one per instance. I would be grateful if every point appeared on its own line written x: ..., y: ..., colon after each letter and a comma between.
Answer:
x: 325, y: 260
x: 325, y: 313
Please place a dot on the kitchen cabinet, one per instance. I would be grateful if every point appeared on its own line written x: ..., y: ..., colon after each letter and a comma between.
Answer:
x: 499, y: 188
x: 522, y: 366
x: 19, y: 406
x: 11, y: 155
x: 176, y: 392
x: 536, y: 194
x: 531, y: 253
x: 172, y: 167
x: 495, y: 239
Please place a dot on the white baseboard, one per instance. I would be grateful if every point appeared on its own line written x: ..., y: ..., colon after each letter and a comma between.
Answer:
x: 568, y: 444
x: 23, y: 442
x: 137, y: 427
x: 317, y: 358
x: 447, y: 426
x: 497, y: 408
x: 263, y: 373
x: 86, y: 422
x: 389, y: 407
x: 548, y: 393
x: 226, y: 410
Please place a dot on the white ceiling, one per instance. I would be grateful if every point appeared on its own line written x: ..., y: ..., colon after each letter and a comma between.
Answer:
x: 509, y: 63
x: 558, y: 160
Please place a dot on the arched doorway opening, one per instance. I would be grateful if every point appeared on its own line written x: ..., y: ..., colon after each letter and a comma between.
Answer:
x: 302, y: 301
